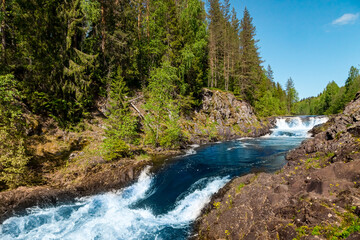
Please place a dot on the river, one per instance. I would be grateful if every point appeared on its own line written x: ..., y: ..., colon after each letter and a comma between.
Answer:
x: 165, y: 204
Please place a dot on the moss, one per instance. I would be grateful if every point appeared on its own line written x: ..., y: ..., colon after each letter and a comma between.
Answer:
x: 312, y: 163
x: 239, y: 187
x: 337, y: 136
x: 349, y: 224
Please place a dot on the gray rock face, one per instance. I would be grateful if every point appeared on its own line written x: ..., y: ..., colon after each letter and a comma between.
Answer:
x: 223, y: 117
x: 319, y: 188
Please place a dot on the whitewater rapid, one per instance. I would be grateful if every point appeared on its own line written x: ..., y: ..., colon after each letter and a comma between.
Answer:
x: 111, y: 215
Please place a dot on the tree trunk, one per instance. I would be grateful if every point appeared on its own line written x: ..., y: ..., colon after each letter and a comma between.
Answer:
x: 228, y: 68
x: 215, y: 71
x: 148, y: 18
x: 225, y: 79
x: 103, y: 33
x: 139, y: 19
x: 3, y: 36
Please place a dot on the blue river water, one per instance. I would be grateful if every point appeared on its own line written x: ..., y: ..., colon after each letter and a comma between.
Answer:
x: 163, y: 205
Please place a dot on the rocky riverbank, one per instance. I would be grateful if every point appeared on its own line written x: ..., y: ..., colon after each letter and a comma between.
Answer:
x: 68, y: 164
x: 103, y: 178
x: 315, y: 196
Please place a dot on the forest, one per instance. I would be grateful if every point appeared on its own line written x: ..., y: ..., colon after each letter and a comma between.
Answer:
x: 333, y: 99
x: 63, y: 56
x: 60, y: 58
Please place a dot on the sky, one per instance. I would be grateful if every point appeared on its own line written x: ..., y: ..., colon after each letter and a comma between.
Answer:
x: 311, y: 41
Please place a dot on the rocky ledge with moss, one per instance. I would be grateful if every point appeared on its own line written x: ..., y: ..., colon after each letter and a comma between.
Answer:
x: 315, y: 196
x: 223, y: 117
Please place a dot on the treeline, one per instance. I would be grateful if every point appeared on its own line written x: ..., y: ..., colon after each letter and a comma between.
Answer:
x: 66, y: 54
x: 58, y: 58
x: 333, y: 99
x: 235, y: 63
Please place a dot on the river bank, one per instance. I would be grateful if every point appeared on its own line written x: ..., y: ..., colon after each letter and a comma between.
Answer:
x: 163, y: 202
x: 69, y: 164
x: 315, y: 196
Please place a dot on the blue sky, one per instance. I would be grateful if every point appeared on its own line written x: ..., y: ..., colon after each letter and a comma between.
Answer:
x: 311, y: 41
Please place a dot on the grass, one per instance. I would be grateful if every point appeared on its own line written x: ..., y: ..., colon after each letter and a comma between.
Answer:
x: 239, y: 187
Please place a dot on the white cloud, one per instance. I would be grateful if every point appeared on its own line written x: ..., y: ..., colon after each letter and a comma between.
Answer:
x: 347, y: 18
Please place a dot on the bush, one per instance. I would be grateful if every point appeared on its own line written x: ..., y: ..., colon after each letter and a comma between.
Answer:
x: 115, y: 149
x: 121, y: 125
x: 13, y: 157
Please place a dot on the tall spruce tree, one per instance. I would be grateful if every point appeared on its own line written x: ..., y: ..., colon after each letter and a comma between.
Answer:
x: 292, y: 95
x: 250, y: 69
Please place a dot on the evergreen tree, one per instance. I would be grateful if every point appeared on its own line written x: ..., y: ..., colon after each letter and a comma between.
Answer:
x: 250, y: 69
x: 333, y: 99
x: 292, y: 95
x: 161, y: 121
x: 270, y: 73
x: 215, y: 42
x: 13, y: 157
x: 194, y: 53
x: 122, y: 127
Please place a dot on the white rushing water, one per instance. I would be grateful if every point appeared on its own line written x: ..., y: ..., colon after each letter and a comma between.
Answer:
x: 296, y: 126
x: 111, y: 215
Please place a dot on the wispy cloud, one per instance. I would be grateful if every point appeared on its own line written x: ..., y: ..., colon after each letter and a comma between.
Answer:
x: 347, y: 18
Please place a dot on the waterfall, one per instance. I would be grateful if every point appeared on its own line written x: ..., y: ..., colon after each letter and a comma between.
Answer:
x: 296, y: 126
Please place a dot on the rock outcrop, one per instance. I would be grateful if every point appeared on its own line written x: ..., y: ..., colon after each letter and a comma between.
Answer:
x: 223, y: 117
x: 315, y: 196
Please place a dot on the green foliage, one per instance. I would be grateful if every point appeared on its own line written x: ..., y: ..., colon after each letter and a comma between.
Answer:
x: 115, y: 148
x: 121, y: 125
x: 333, y: 99
x: 161, y: 121
x: 291, y: 95
x: 239, y: 187
x: 350, y: 223
x: 13, y: 157
x: 268, y: 105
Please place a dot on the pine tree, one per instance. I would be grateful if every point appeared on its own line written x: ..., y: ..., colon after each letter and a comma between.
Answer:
x: 234, y: 49
x: 292, y: 95
x: 194, y: 53
x: 2, y: 30
x: 13, y: 156
x: 122, y: 126
x: 270, y: 73
x: 161, y: 122
x: 215, y: 41
x: 250, y: 69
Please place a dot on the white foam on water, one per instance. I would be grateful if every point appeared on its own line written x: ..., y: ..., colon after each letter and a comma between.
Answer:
x: 110, y: 215
x: 244, y: 138
x: 191, y: 150
x: 194, y: 145
x: 296, y: 126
